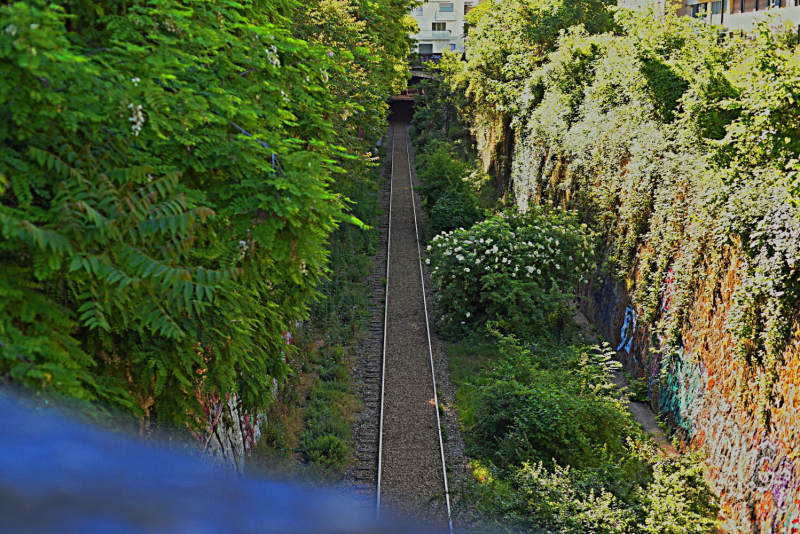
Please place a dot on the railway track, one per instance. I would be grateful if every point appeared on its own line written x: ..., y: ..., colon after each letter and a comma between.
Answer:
x: 411, y: 463
x: 401, y: 458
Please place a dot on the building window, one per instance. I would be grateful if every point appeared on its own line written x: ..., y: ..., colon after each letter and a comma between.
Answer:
x: 716, y: 7
x: 417, y: 11
x: 426, y: 48
x: 699, y: 10
x: 446, y: 8
x: 467, y: 8
x: 452, y: 47
x: 439, y: 26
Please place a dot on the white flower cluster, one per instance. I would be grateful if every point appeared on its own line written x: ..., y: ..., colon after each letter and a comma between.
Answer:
x: 137, y: 118
x: 272, y: 56
x: 171, y: 27
x: 550, y: 253
x: 243, y: 248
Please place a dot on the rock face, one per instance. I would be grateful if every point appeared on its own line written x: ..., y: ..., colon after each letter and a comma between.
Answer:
x: 754, y: 467
x: 231, y: 433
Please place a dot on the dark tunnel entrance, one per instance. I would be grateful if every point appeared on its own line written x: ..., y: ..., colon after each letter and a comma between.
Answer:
x: 401, y: 108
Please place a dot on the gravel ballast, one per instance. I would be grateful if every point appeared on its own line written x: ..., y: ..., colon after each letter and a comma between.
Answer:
x: 412, y: 480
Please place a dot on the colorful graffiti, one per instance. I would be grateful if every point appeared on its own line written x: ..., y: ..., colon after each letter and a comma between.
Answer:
x: 682, y: 387
x: 753, y: 468
x: 628, y: 330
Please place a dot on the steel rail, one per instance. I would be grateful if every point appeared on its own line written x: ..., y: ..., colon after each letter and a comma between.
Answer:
x: 428, y: 330
x: 385, y: 319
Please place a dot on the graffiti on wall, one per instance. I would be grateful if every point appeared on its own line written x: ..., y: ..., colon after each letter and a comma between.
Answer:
x: 682, y: 387
x: 755, y: 470
x: 628, y: 330
x: 756, y: 474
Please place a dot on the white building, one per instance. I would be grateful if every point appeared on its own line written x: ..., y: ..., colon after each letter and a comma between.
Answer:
x: 743, y: 14
x: 730, y: 14
x: 441, y: 26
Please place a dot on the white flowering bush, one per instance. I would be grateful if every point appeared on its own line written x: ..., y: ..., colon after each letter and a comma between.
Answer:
x: 518, y: 271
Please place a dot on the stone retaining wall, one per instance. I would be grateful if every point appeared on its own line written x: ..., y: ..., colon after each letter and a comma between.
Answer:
x: 755, y: 470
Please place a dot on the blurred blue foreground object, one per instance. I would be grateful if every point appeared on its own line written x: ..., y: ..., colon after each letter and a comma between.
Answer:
x: 57, y: 476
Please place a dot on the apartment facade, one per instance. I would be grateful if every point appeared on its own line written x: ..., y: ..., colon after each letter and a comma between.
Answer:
x: 737, y: 15
x: 441, y: 26
x: 742, y: 14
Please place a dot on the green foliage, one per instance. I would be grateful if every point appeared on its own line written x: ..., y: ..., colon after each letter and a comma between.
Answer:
x: 328, y: 451
x: 511, y: 37
x: 326, y: 440
x: 555, y: 449
x: 566, y: 415
x: 561, y: 500
x: 668, y: 498
x: 454, y: 192
x: 436, y: 110
x: 622, y: 127
x: 680, y: 150
x: 678, y: 501
x: 454, y: 209
x: 439, y: 172
x: 638, y: 388
x: 167, y: 195
x: 516, y: 271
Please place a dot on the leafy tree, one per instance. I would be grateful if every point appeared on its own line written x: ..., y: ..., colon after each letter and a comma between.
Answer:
x: 166, y: 201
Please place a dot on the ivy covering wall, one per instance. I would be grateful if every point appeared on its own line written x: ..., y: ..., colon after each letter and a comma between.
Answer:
x: 681, y: 150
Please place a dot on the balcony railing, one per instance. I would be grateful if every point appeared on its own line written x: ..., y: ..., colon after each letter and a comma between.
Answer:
x: 445, y: 16
x: 430, y: 35
x: 424, y: 58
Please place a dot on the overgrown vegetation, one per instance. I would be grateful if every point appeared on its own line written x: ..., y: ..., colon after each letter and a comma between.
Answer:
x: 554, y: 449
x: 697, y: 158
x: 515, y: 272
x: 308, y: 432
x: 455, y: 192
x: 171, y: 174
x: 553, y: 446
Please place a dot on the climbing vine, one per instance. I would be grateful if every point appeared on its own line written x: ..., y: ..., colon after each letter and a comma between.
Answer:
x: 682, y: 151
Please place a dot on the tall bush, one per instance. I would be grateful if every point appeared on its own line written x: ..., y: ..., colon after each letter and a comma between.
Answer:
x: 517, y: 271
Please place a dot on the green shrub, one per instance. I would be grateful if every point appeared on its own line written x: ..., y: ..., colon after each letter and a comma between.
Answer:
x: 439, y: 172
x: 642, y: 493
x: 453, y: 210
x: 569, y: 414
x: 557, y: 451
x: 326, y: 439
x: 679, y: 500
x: 560, y: 500
x: 518, y: 271
x: 333, y: 372
x: 328, y: 452
x: 638, y: 389
x: 673, y: 500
